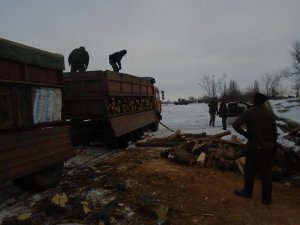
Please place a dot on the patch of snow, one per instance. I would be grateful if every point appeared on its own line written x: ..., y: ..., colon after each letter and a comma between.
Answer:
x: 100, y: 196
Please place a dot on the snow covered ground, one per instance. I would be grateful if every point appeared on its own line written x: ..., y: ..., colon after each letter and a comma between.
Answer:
x: 194, y: 118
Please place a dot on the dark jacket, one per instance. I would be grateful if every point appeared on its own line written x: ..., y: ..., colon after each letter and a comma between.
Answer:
x: 261, y: 127
x: 223, y: 110
x: 117, y: 56
x: 213, y: 106
x: 79, y: 56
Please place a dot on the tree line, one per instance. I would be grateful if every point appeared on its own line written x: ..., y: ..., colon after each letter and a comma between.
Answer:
x: 269, y: 84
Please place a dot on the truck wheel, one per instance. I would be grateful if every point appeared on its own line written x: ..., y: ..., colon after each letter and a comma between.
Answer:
x: 42, y: 179
x: 48, y: 177
x: 154, y: 126
x: 122, y: 142
x: 117, y: 142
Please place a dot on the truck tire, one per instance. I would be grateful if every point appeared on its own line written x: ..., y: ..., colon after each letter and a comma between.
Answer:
x: 117, y: 142
x: 41, y: 180
x: 154, y: 126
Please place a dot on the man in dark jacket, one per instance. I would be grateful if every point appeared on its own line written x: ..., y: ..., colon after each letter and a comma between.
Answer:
x: 223, y: 113
x: 115, y: 60
x: 213, y: 110
x: 79, y: 59
x: 261, y: 134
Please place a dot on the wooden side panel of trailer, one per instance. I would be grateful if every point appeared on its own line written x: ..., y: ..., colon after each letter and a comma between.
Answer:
x: 26, y: 152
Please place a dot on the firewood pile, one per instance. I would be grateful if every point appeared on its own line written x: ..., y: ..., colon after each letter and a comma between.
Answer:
x: 129, y: 104
x: 201, y: 150
x: 294, y: 136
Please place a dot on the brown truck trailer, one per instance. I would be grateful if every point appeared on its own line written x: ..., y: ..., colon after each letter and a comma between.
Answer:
x: 34, y: 141
x: 110, y: 106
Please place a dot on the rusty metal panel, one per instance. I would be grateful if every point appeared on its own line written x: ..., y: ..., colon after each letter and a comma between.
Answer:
x: 124, y: 124
x: 22, y: 153
x: 82, y: 84
x: 44, y: 76
x: 121, y: 84
x: 20, y: 73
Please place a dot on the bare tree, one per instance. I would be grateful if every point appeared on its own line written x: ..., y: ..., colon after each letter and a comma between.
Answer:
x: 211, y: 85
x: 271, y: 84
x: 233, y: 92
x: 296, y: 56
x: 253, y: 88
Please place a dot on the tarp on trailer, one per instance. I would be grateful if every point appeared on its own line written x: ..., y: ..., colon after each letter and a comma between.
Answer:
x: 33, y: 56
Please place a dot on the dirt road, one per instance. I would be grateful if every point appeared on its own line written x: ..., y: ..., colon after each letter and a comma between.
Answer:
x: 193, y: 195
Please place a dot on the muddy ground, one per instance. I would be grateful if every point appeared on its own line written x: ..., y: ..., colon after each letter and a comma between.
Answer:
x: 194, y: 195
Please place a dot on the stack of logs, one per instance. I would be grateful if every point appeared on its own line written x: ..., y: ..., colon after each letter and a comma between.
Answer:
x: 129, y: 104
x: 201, y: 150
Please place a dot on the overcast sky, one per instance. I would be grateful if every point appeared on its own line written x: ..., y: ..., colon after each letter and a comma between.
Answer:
x: 174, y: 41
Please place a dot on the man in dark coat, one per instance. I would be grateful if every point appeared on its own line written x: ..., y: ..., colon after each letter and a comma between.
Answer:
x: 223, y: 113
x: 79, y: 59
x: 213, y: 110
x: 115, y: 60
x: 262, y: 135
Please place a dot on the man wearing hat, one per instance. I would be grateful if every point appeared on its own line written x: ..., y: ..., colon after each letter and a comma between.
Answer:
x: 79, y: 59
x: 115, y: 60
x: 261, y: 132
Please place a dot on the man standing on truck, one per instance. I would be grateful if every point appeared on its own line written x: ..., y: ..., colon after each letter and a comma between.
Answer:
x: 261, y: 132
x: 79, y: 59
x: 115, y: 60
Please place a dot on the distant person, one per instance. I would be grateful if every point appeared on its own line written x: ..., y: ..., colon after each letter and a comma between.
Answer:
x: 223, y: 113
x: 261, y: 132
x: 213, y: 110
x: 115, y: 60
x: 79, y: 59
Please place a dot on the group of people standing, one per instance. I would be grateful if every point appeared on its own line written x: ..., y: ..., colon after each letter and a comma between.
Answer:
x: 79, y: 60
x: 221, y: 111
x: 261, y: 134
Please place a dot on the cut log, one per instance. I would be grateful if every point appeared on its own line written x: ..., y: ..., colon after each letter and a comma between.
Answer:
x: 225, y: 164
x: 222, y: 134
x: 157, y: 144
x: 229, y: 153
x: 199, y: 148
x: 187, y: 146
x: 200, y: 135
x: 201, y: 159
x: 182, y: 157
x: 209, y: 139
x: 294, y: 131
x: 236, y: 139
x: 152, y: 206
x: 240, y: 162
x: 164, y: 153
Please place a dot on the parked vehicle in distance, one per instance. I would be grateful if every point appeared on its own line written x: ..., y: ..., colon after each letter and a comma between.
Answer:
x: 181, y: 101
x: 235, y: 109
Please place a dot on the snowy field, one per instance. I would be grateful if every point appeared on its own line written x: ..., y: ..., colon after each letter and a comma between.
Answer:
x: 194, y: 118
x: 191, y: 118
